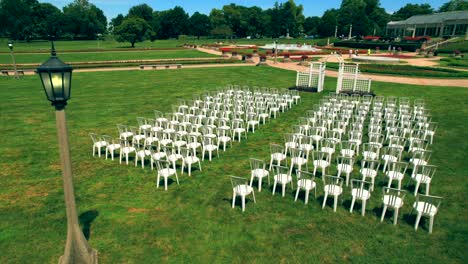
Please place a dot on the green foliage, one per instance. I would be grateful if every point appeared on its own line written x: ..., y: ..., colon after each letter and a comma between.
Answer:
x: 328, y: 23
x: 454, y: 5
x: 200, y: 25
x: 132, y: 29
x: 84, y: 20
x: 222, y: 31
x: 173, y: 22
x: 311, y: 25
x: 410, y: 10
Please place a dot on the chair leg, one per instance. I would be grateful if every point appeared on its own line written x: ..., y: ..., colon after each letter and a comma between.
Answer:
x: 297, y: 193
x: 274, y: 187
x: 177, y: 178
x: 251, y: 179
x: 431, y: 223
x: 165, y: 183
x: 157, y: 181
x: 233, y: 199
x: 418, y: 218
x: 243, y: 203
x: 335, y: 203
x: 324, y: 200
x: 352, y: 204
x: 427, y: 188
x: 383, y: 213
x: 399, y: 184
x: 253, y: 195
x: 416, y: 188
x: 260, y: 184
x: 271, y: 164
x: 395, y: 217
x: 283, y: 192
x: 363, y: 209
x: 306, y: 196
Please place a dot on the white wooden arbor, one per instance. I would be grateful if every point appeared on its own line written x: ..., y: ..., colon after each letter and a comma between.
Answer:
x: 349, y: 79
x: 314, y: 78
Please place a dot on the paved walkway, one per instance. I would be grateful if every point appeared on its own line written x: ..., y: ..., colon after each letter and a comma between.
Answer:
x: 293, y: 66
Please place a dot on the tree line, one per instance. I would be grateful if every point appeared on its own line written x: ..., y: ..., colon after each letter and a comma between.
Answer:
x: 29, y: 19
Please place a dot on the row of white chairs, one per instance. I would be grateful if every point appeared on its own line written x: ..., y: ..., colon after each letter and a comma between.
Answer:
x: 320, y: 133
x: 425, y: 205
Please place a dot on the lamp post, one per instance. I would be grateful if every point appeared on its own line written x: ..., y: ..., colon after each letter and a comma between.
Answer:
x: 10, y: 46
x: 56, y: 80
x: 276, y: 50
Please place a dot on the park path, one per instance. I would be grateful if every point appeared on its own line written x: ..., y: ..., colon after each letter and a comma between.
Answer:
x: 293, y: 66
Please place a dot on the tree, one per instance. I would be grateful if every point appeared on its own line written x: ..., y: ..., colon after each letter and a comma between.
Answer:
x: 48, y: 20
x: 115, y: 22
x: 410, y: 10
x: 143, y: 11
x: 311, y: 25
x: 132, y: 29
x: 353, y: 12
x: 83, y: 19
x: 16, y: 18
x: 328, y: 22
x: 173, y: 22
x: 199, y: 25
x: 454, y: 5
x: 222, y: 31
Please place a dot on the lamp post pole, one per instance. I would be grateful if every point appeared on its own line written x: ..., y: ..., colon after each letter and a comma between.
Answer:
x: 276, y: 51
x: 56, y: 80
x: 10, y: 45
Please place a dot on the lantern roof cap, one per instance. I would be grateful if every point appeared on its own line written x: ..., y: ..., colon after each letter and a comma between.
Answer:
x: 54, y: 63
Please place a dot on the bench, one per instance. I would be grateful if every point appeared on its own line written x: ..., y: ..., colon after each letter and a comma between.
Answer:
x: 12, y: 72
x: 155, y: 66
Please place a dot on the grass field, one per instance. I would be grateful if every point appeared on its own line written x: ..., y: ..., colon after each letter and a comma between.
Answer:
x: 108, y: 56
x: 130, y: 221
x: 42, y: 46
x: 455, y: 62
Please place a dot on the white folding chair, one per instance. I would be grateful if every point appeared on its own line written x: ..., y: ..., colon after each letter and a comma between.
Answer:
x: 360, y: 190
x: 258, y: 170
x: 393, y: 199
x: 426, y: 205
x: 332, y: 186
x: 306, y: 182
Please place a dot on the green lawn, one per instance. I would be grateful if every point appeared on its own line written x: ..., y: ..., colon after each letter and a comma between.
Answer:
x: 107, y: 56
x: 44, y: 46
x: 193, y: 222
x: 455, y: 62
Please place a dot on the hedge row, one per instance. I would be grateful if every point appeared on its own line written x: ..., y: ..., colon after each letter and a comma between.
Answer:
x: 374, y: 45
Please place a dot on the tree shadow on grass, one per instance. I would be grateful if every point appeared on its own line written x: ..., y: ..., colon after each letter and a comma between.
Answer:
x: 86, y: 219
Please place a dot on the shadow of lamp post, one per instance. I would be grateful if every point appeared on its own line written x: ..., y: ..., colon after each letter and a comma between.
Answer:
x: 10, y: 46
x: 56, y: 80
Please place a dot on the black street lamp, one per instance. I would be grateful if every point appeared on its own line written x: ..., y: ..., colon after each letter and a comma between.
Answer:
x: 10, y: 46
x: 56, y: 80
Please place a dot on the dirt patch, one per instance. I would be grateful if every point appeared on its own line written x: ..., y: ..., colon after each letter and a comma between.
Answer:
x: 137, y: 210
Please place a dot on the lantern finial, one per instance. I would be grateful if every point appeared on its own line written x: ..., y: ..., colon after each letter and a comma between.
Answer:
x: 53, y: 52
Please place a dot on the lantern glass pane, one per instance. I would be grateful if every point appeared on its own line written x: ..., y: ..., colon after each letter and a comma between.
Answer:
x: 47, y: 85
x: 57, y: 84
x: 67, y: 84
